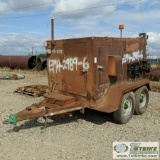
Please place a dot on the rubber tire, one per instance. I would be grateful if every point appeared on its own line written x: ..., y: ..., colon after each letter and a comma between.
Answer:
x: 118, y: 116
x: 137, y: 93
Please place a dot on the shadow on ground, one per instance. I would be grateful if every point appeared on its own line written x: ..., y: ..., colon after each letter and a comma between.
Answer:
x: 92, y: 116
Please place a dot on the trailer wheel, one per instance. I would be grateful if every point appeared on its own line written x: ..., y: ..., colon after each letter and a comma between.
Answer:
x: 142, y: 98
x: 126, y: 109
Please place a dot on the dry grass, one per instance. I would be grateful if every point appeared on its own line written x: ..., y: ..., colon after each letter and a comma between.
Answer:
x: 153, y: 66
x: 155, y: 86
x: 7, y: 71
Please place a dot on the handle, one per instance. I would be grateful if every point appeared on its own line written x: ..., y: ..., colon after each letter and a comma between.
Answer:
x: 101, y: 67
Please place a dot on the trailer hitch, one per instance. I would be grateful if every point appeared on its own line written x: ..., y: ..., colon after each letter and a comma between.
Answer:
x: 33, y: 111
x: 53, y: 104
x: 11, y: 120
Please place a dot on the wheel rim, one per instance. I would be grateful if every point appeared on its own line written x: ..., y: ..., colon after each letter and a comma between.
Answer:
x: 142, y: 100
x: 127, y: 107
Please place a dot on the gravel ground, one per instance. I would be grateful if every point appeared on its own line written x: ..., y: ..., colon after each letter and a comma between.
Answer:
x: 80, y: 137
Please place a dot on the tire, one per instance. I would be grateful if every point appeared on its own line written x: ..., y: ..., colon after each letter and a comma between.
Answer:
x: 126, y: 109
x: 142, y: 98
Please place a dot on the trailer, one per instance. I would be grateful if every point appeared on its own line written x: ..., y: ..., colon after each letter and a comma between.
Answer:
x: 100, y: 73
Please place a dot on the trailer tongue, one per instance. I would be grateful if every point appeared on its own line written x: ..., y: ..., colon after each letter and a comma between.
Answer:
x: 53, y: 104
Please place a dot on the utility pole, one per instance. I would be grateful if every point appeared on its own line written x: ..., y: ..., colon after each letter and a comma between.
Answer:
x: 32, y: 50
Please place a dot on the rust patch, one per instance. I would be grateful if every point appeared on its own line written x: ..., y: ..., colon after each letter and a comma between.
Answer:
x: 33, y: 90
x: 154, y: 75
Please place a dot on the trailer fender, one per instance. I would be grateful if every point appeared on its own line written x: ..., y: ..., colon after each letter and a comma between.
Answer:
x: 111, y: 101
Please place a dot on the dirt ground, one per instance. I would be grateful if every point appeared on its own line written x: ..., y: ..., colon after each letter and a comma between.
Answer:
x: 80, y: 137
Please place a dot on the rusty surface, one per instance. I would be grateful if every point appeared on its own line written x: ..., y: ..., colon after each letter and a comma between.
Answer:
x: 80, y: 66
x: 153, y: 75
x: 91, y: 72
x: 23, y: 62
x: 54, y: 108
x: 59, y: 99
x: 111, y: 101
x: 33, y: 90
x: 88, y: 67
x: 30, y: 113
x: 17, y: 76
x: 12, y: 77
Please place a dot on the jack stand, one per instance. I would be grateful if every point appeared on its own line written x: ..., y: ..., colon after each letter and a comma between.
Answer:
x: 45, y: 122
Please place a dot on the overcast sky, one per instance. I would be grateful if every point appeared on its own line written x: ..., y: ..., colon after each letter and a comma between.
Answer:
x: 25, y: 24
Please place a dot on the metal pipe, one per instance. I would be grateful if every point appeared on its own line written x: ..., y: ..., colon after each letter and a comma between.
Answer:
x: 43, y: 63
x: 23, y: 62
x: 120, y: 33
x: 52, y: 34
x: 52, y: 29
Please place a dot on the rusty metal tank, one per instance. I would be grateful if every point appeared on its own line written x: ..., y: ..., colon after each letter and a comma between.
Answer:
x: 88, y: 66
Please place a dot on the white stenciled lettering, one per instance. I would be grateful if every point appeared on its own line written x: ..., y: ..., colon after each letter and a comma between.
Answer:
x: 71, y: 64
x: 52, y: 65
x: 85, y: 64
x: 137, y: 55
x: 57, y: 51
x: 58, y: 66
